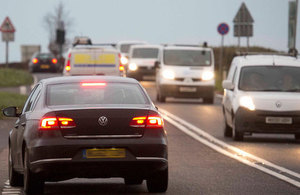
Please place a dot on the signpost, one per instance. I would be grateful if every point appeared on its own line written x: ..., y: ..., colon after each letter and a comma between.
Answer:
x: 243, y: 24
x: 8, y: 34
x: 293, y: 5
x: 223, y: 29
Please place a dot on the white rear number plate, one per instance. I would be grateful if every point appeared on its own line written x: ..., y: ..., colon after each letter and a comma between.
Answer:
x: 187, y: 89
x: 279, y: 120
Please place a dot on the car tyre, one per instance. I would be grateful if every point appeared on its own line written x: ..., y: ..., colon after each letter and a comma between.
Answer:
x: 237, y: 135
x: 208, y: 100
x: 32, y: 183
x: 227, y: 129
x: 297, y: 136
x: 133, y: 181
x: 158, y: 182
x: 15, y: 178
x: 160, y: 97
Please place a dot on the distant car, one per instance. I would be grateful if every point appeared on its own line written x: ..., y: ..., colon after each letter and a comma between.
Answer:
x: 91, y: 127
x: 93, y: 60
x: 262, y: 95
x: 124, y: 47
x: 141, y: 60
x: 43, y: 62
x: 185, y: 72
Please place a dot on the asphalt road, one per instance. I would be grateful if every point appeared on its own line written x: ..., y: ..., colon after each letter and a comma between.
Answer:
x: 194, y: 167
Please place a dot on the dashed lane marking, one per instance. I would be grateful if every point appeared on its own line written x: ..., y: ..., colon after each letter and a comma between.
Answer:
x: 231, y: 151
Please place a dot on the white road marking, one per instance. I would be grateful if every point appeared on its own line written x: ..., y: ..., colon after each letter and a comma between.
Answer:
x: 11, y: 190
x: 231, y: 151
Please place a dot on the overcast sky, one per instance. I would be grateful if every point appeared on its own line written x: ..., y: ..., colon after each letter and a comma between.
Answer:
x: 155, y: 21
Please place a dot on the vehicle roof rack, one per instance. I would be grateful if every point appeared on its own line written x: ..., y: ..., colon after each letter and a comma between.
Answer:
x: 81, y: 40
x: 240, y: 53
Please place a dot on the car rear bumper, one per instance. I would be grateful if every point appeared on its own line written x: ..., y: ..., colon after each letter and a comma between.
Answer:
x: 57, y: 158
x: 175, y: 91
x: 255, y: 121
x: 64, y: 168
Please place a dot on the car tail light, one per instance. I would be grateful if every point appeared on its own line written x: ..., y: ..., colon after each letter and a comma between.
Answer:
x: 121, y: 68
x: 148, y: 122
x: 68, y: 66
x: 54, y: 60
x: 35, y: 60
x: 89, y: 84
x: 55, y: 123
x: 138, y: 121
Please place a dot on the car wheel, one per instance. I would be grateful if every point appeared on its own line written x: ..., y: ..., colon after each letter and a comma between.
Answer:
x: 133, y: 181
x: 32, y: 184
x: 160, y: 97
x: 236, y: 135
x: 15, y: 178
x: 208, y: 100
x: 227, y: 129
x: 297, y: 136
x: 158, y: 182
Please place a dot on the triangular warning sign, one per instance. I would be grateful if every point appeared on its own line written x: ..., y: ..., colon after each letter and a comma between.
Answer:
x: 243, y: 15
x: 7, y: 26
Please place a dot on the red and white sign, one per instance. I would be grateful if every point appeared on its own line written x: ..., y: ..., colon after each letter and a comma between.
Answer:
x: 7, y: 26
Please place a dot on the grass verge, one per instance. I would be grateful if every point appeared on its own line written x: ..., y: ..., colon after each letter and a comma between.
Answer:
x: 11, y: 99
x: 10, y: 77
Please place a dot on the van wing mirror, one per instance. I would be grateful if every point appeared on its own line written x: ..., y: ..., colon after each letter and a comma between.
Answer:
x: 227, y: 84
x: 11, y: 112
x: 157, y: 64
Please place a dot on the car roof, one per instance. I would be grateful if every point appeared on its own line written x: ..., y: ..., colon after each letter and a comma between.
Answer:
x: 174, y: 47
x: 73, y: 79
x: 268, y: 60
x: 146, y: 46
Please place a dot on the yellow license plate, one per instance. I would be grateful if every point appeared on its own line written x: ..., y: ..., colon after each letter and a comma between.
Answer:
x: 45, y: 66
x: 105, y: 153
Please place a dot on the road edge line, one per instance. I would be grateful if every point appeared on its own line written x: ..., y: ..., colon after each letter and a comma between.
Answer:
x: 210, y: 141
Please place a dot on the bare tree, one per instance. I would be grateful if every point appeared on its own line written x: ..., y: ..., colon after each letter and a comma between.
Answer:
x: 54, y: 20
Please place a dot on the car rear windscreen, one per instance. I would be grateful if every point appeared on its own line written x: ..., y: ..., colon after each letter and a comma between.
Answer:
x: 95, y: 93
x: 270, y: 78
x: 145, y: 53
x: 187, y: 57
x: 45, y: 56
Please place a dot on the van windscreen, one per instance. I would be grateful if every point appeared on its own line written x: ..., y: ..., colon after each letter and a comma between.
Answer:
x: 187, y: 57
x: 145, y: 53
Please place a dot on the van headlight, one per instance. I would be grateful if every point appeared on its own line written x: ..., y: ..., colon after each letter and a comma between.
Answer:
x: 124, y: 60
x: 168, y: 74
x: 132, y: 66
x: 247, y: 102
x: 207, y: 75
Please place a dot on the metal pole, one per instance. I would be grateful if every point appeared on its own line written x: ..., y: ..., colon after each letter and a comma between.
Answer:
x: 6, y: 55
x: 295, y: 51
x: 247, y: 44
x: 221, y: 58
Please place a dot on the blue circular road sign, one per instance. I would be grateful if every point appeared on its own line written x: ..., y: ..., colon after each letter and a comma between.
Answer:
x: 223, y: 28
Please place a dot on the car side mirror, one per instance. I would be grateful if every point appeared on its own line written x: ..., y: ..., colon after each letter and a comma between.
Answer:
x: 227, y: 84
x: 11, y: 112
x: 157, y: 64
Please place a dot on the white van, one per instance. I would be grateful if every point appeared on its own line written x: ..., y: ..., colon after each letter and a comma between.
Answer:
x: 261, y: 95
x: 185, y: 72
x: 124, y: 46
x: 141, y: 61
x: 93, y: 60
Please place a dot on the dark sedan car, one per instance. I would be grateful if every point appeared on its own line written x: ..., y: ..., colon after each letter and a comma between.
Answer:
x: 43, y: 62
x: 89, y: 127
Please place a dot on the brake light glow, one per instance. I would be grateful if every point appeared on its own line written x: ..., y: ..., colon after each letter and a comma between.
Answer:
x: 68, y: 66
x: 93, y: 84
x: 55, y: 123
x: 121, y: 68
x: 49, y: 123
x: 54, y: 60
x: 35, y: 60
x: 149, y: 122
